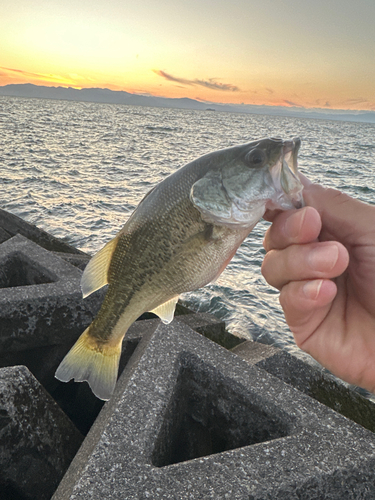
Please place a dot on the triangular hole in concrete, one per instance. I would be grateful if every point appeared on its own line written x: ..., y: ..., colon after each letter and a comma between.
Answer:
x: 207, y: 415
x: 18, y: 270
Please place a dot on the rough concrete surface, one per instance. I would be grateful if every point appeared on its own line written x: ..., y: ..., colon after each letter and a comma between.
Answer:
x: 188, y: 420
x: 40, y: 297
x: 37, y: 440
x: 311, y: 379
x: 11, y: 225
x: 191, y: 420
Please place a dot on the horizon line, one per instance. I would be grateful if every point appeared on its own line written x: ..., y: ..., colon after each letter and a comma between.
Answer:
x: 235, y: 107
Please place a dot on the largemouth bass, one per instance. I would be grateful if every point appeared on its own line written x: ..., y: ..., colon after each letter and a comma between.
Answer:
x: 181, y: 236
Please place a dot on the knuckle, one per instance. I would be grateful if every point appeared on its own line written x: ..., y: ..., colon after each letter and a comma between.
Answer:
x: 266, y: 242
x: 270, y: 268
x: 288, y: 298
x: 267, y: 264
x: 283, y: 298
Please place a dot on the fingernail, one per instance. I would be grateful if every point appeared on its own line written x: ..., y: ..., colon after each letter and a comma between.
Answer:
x: 311, y: 289
x: 323, y: 258
x: 294, y: 223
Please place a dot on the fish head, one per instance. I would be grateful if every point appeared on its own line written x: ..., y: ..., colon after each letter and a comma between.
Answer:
x: 243, y: 181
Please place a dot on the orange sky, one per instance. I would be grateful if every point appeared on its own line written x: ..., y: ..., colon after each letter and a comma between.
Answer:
x: 274, y: 52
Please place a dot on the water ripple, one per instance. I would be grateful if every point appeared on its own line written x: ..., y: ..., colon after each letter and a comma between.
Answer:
x: 78, y: 170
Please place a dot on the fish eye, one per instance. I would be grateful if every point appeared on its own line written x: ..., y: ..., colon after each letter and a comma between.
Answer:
x: 255, y: 157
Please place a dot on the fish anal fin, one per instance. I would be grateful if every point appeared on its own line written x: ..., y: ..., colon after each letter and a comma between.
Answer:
x: 166, y: 311
x: 92, y: 362
x: 95, y: 275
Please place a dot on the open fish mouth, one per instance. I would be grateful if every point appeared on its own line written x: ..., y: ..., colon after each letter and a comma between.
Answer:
x: 284, y: 174
x: 290, y: 153
x: 238, y: 192
x: 282, y: 188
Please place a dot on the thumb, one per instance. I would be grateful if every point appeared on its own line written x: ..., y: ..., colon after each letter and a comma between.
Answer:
x: 344, y: 218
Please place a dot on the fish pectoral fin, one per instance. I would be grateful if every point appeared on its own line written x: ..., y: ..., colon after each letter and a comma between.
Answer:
x: 87, y: 361
x: 166, y: 311
x: 95, y: 275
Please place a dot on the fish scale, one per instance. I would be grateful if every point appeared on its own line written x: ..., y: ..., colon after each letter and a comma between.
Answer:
x: 181, y: 236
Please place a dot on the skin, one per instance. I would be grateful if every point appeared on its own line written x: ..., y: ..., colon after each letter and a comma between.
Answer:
x: 322, y: 259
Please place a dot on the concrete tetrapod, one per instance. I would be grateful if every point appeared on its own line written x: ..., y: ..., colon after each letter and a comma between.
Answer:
x: 191, y: 420
x: 37, y: 440
x: 40, y: 297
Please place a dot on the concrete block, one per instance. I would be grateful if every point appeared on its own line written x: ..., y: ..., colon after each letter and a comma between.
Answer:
x: 37, y: 440
x: 40, y: 298
x: 204, y: 323
x: 191, y: 420
x: 77, y: 260
x: 13, y: 225
x: 4, y: 235
x: 311, y: 379
x: 77, y: 399
x: 212, y: 328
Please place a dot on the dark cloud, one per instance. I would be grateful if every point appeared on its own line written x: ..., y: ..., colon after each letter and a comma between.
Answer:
x: 172, y: 78
x: 210, y: 84
x: 291, y: 103
x: 270, y: 91
x: 326, y: 104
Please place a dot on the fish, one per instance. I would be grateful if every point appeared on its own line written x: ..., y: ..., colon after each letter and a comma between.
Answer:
x: 181, y: 237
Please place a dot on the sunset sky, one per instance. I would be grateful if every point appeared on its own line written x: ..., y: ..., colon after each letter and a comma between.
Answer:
x: 317, y: 53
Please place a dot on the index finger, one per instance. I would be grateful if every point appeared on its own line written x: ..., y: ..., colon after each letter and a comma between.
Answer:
x: 293, y: 227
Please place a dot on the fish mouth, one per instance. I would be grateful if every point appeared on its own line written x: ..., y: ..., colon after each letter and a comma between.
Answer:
x: 236, y: 196
x: 290, y: 153
x: 288, y: 187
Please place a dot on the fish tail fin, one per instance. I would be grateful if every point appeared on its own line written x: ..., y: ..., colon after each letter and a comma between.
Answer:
x: 93, y: 362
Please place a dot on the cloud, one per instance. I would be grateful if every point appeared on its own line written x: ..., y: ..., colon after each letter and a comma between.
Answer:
x: 358, y: 100
x: 20, y: 71
x: 270, y: 91
x: 12, y: 73
x: 326, y: 104
x: 291, y: 103
x: 211, y: 83
x: 172, y: 78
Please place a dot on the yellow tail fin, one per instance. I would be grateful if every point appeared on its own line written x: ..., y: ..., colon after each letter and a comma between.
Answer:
x: 92, y: 362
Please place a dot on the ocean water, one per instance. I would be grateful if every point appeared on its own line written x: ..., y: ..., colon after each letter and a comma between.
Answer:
x: 78, y: 170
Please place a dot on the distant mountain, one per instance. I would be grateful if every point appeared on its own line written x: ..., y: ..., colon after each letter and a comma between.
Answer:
x: 121, y: 97
x: 98, y: 95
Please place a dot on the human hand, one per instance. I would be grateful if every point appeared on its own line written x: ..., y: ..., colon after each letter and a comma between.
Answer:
x: 322, y: 259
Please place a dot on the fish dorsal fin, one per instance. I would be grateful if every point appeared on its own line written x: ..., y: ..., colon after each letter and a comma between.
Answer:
x: 166, y: 311
x: 95, y: 275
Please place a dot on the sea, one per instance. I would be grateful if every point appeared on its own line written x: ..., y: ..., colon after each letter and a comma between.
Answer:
x: 78, y: 170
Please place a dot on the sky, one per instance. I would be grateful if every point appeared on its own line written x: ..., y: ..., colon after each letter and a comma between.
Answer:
x: 313, y: 54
